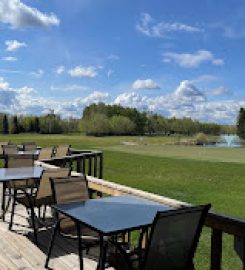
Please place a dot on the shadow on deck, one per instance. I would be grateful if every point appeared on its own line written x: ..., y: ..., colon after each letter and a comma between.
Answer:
x: 18, y: 250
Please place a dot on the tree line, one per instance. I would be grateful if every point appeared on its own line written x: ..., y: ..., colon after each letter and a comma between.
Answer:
x: 47, y: 124
x: 101, y: 119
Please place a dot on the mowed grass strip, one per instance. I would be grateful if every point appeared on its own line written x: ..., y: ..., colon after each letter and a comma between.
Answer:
x: 206, y: 153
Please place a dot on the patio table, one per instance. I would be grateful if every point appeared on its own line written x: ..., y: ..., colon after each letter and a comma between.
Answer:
x: 16, y: 174
x: 110, y: 216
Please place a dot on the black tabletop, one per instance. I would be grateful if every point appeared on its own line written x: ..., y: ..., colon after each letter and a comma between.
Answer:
x: 113, y: 214
x: 11, y: 174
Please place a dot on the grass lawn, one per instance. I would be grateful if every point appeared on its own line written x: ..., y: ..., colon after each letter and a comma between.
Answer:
x: 188, y: 173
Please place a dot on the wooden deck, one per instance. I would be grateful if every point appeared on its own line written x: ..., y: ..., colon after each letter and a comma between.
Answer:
x: 17, y: 250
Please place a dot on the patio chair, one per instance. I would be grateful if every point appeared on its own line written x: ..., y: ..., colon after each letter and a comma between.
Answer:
x: 46, y: 153
x: 1, y: 147
x: 172, y: 244
x: 65, y: 190
x: 16, y: 161
x: 62, y: 150
x: 10, y: 149
x: 42, y: 197
x: 29, y: 146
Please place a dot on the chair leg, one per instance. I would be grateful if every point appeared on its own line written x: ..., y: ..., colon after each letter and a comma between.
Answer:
x: 34, y: 225
x: 12, y: 212
x: 79, y: 245
x: 103, y: 251
x: 3, y: 201
x: 51, y: 243
x: 44, y: 211
x: 39, y: 212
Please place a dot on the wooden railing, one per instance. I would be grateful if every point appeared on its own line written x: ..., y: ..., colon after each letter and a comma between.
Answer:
x: 89, y: 162
x: 219, y: 224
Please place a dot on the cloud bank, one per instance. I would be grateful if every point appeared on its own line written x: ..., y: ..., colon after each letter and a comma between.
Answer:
x: 185, y: 101
x: 19, y: 15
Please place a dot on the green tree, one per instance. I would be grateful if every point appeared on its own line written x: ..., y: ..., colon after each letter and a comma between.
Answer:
x: 96, y: 124
x: 5, y: 124
x: 241, y: 123
x: 51, y: 124
x: 121, y: 125
x: 15, y: 129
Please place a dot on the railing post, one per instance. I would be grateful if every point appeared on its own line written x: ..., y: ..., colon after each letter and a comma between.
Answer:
x: 78, y: 164
x: 84, y: 164
x: 216, y: 249
x: 101, y: 166
x: 90, y: 165
x: 95, y: 165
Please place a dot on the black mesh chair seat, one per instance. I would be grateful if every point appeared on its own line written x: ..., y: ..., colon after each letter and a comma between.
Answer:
x: 172, y: 244
x: 68, y: 228
x: 32, y: 202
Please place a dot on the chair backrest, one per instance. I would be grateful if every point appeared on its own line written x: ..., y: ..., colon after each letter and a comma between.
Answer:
x: 1, y: 146
x: 29, y: 146
x: 46, y: 153
x: 62, y: 150
x: 10, y: 149
x: 65, y: 190
x: 174, y: 238
x: 16, y: 161
x: 69, y: 189
x: 44, y: 189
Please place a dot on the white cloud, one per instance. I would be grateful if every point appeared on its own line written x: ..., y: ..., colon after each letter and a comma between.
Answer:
x: 187, y: 92
x: 145, y: 84
x: 13, y: 45
x: 80, y: 71
x: 10, y: 58
x: 113, y: 57
x: 189, y: 60
x: 19, y: 15
x: 38, y: 73
x: 220, y: 91
x: 185, y: 101
x: 204, y: 78
x: 3, y: 84
x: 10, y: 71
x: 133, y: 100
x: 149, y: 27
x: 96, y: 97
x: 72, y: 87
x: 59, y: 70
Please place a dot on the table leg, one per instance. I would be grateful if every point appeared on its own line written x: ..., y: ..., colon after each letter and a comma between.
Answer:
x: 80, y: 252
x: 103, y: 251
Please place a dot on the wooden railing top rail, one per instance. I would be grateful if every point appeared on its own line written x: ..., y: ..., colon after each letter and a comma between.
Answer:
x: 74, y: 156
x: 227, y: 224
x: 77, y: 151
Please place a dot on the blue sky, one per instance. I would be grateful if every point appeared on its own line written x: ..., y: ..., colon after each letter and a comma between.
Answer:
x: 176, y: 58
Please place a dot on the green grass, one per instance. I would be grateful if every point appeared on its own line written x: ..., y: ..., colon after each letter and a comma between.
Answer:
x: 187, y: 173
